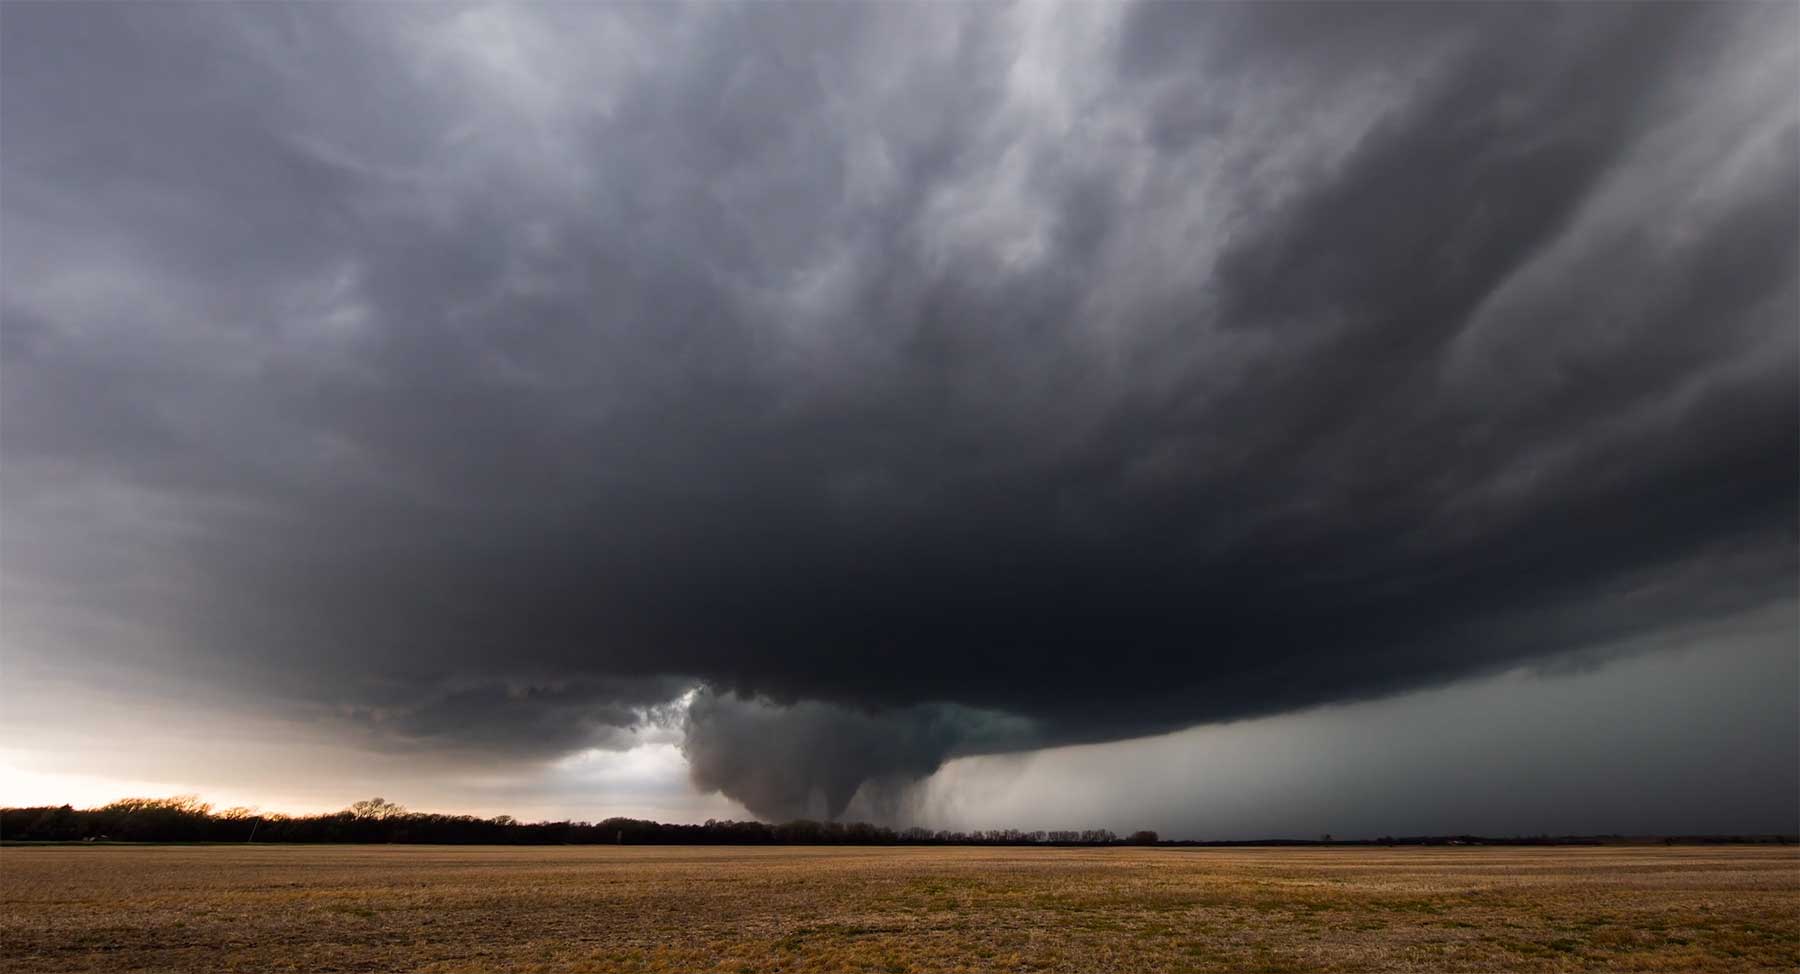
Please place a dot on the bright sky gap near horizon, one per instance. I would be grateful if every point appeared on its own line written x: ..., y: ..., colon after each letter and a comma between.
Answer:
x: 1227, y: 419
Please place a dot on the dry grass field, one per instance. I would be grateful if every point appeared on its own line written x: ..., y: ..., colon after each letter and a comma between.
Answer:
x: 442, y: 909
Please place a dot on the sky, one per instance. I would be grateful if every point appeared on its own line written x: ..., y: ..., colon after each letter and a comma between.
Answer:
x: 1230, y: 419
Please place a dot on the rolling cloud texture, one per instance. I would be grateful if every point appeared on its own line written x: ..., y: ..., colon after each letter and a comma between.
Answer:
x: 918, y: 380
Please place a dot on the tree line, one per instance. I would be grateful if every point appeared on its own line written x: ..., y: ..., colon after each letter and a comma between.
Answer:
x: 187, y: 819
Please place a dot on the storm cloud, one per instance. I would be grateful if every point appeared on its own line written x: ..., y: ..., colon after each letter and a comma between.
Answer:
x: 921, y: 381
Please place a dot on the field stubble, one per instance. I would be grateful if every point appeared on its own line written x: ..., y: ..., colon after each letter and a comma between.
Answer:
x: 811, y: 909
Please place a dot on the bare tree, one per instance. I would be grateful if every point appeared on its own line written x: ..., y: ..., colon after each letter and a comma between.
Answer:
x: 376, y: 808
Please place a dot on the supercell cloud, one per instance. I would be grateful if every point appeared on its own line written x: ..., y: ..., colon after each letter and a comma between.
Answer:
x: 920, y: 381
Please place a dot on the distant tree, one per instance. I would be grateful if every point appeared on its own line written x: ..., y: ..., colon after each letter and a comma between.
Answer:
x: 377, y: 809
x: 185, y: 818
x: 56, y: 823
x: 1143, y: 837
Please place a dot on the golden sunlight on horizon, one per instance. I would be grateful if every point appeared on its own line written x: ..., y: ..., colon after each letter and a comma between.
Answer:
x: 23, y: 788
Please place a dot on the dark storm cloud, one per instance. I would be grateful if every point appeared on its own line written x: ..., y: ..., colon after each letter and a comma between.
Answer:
x: 509, y: 719
x: 939, y: 379
x: 811, y: 757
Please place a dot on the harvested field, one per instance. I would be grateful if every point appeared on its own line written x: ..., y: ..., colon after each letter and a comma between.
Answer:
x: 444, y: 909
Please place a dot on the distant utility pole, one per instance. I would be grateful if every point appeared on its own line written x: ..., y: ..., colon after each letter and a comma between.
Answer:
x: 253, y: 827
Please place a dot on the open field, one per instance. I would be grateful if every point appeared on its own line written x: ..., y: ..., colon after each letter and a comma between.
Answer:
x: 442, y: 909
